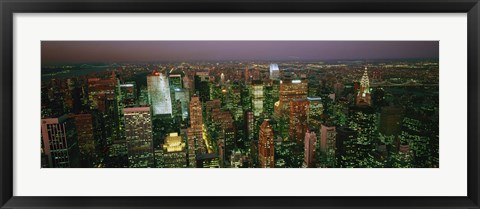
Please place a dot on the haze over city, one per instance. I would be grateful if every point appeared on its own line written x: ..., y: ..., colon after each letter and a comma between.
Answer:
x: 62, y: 52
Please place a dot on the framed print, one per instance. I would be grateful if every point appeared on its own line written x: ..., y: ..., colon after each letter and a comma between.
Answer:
x: 196, y: 104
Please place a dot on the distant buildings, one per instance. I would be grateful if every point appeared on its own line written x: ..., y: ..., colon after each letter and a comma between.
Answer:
x: 274, y: 72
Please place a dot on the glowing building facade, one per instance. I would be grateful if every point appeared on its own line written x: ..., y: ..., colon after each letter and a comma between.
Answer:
x: 266, y: 146
x: 363, y: 95
x: 257, y: 98
x: 298, y: 119
x: 290, y: 90
x: 195, y: 132
x: 174, y: 152
x: 139, y: 139
x: 159, y: 94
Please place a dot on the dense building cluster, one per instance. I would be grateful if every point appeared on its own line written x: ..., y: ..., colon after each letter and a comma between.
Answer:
x: 336, y: 114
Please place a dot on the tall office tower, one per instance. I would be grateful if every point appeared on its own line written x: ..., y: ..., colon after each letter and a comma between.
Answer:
x: 257, y: 98
x: 274, y: 72
x: 188, y: 84
x: 202, y: 85
x: 266, y: 146
x: 101, y: 92
x: 159, y: 94
x: 391, y: 120
x: 269, y: 101
x: 195, y: 132
x: 327, y: 138
x: 183, y: 96
x: 328, y: 145
x: 309, y: 149
x: 139, y: 139
x: 363, y: 97
x: 175, y: 84
x: 347, y: 147
x: 290, y: 90
x: 60, y: 142
x: 315, y: 111
x: 86, y: 140
x: 174, y: 152
x: 222, y: 79
x: 298, y: 120
x: 128, y: 94
x: 250, y: 125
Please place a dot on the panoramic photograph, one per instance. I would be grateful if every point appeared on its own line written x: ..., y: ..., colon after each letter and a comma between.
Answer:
x: 239, y: 104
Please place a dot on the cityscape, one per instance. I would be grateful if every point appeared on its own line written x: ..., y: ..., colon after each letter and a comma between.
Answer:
x: 240, y: 104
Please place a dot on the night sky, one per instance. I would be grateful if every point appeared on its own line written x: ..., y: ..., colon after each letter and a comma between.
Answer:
x: 54, y: 52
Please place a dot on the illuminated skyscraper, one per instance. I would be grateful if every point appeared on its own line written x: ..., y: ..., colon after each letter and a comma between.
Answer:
x: 159, y: 94
x: 310, y: 144
x: 328, y: 145
x: 128, y: 94
x: 60, y: 142
x: 195, y: 132
x: 298, y: 119
x: 315, y: 111
x: 266, y: 146
x: 363, y: 95
x: 139, y: 139
x: 274, y: 72
x: 86, y: 140
x: 174, y: 152
x: 183, y: 96
x: 257, y: 98
x: 290, y: 90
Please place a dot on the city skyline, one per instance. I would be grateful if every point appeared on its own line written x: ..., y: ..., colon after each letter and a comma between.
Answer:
x: 237, y: 114
x: 81, y: 52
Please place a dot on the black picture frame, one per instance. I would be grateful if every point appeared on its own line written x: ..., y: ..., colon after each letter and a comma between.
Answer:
x: 9, y: 7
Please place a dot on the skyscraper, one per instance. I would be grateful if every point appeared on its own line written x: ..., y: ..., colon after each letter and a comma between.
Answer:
x: 174, y: 152
x: 257, y: 98
x: 85, y: 138
x: 128, y: 94
x: 298, y: 119
x: 363, y: 95
x: 274, y: 72
x: 139, y: 139
x: 60, y: 142
x: 290, y: 90
x: 266, y: 146
x: 309, y: 149
x: 328, y: 145
x: 159, y: 93
x: 315, y: 111
x: 195, y: 132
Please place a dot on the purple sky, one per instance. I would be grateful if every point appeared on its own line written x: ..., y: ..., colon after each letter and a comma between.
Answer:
x: 145, y: 51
